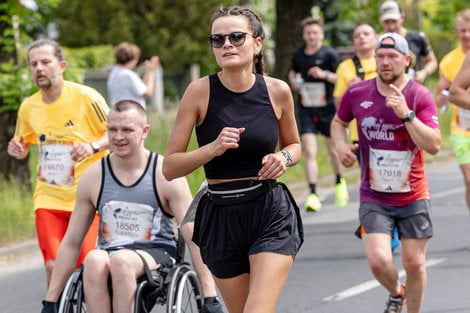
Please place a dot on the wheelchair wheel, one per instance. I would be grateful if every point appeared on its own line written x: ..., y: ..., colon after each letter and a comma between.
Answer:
x: 72, y: 299
x: 184, y: 292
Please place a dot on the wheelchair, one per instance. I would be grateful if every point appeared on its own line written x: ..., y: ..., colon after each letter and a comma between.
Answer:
x: 177, y: 287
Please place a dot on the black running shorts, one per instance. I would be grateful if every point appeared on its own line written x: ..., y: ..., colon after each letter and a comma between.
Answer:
x: 228, y: 233
x: 314, y: 120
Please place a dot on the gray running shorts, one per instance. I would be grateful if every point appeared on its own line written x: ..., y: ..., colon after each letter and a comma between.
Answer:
x: 412, y: 220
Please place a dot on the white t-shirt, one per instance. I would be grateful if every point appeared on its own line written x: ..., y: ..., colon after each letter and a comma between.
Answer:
x: 125, y: 84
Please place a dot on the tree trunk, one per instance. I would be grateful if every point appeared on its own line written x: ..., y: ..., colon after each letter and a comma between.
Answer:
x: 10, y: 168
x: 289, y: 15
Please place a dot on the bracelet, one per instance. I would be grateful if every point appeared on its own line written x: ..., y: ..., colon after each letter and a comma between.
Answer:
x: 326, y: 75
x: 288, y: 157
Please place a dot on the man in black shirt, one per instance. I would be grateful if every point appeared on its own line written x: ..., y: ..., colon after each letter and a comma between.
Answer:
x: 313, y: 76
x: 392, y: 17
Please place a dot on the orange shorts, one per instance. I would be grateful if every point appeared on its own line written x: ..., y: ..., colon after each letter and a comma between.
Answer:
x: 51, y: 226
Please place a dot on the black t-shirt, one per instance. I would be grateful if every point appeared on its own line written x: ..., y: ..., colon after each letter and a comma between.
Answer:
x: 325, y: 58
x: 419, y: 47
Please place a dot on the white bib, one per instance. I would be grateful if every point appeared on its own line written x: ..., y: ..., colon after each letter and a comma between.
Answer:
x: 313, y: 95
x: 463, y: 119
x: 389, y: 170
x: 56, y: 166
x: 126, y: 221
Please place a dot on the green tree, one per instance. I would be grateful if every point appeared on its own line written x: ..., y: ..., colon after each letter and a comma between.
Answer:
x: 18, y: 24
x: 13, y: 86
x: 175, y: 30
x: 288, y: 33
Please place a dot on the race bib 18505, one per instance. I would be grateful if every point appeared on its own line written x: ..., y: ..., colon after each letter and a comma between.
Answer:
x: 126, y: 221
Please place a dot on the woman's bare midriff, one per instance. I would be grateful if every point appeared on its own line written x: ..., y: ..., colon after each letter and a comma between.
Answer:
x: 226, y: 180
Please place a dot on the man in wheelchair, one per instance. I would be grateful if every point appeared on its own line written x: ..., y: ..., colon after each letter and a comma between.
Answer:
x: 136, y: 205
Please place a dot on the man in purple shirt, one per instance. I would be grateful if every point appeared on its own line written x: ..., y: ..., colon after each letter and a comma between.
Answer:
x: 397, y: 121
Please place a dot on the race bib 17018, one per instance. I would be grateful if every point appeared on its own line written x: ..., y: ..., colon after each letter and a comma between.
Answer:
x: 389, y: 170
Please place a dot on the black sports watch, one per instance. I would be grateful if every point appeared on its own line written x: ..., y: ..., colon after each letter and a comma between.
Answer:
x: 95, y: 146
x: 409, y: 117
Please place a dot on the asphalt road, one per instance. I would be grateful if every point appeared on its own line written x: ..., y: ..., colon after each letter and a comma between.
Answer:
x: 330, y: 273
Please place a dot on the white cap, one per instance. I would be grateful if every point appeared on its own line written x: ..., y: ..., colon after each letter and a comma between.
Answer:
x: 390, y: 10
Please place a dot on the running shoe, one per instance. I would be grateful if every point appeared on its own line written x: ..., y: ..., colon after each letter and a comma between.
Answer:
x: 342, y: 194
x: 394, y: 304
x: 396, y: 242
x: 312, y: 203
x: 212, y: 305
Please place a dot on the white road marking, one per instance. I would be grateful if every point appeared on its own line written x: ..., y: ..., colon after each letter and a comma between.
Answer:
x: 371, y: 284
x: 446, y: 193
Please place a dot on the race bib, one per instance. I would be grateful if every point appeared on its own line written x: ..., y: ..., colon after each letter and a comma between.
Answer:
x: 56, y: 166
x: 411, y: 73
x: 126, y: 221
x: 389, y: 170
x: 463, y: 119
x: 313, y: 95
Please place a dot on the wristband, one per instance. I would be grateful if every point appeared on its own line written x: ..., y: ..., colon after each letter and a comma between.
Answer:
x: 288, y: 157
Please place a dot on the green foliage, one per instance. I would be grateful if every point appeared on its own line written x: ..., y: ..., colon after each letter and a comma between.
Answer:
x: 175, y: 30
x: 14, y: 81
x: 14, y: 85
x: 79, y: 60
x: 92, y: 57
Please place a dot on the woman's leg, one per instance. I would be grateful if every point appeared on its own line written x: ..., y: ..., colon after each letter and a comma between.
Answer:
x: 269, y: 272
x: 234, y: 291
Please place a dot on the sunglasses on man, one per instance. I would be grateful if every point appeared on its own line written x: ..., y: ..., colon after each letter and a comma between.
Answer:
x: 235, y: 38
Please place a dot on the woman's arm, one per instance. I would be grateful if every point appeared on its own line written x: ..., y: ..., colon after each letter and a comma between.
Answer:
x: 178, y: 162
x: 275, y: 164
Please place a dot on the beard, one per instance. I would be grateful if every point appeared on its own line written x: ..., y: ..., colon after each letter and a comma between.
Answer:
x: 45, y: 84
x: 389, y: 80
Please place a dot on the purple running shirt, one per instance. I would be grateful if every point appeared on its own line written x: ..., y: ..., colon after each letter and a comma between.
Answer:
x: 392, y: 167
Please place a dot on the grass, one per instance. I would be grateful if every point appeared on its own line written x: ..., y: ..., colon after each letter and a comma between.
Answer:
x: 16, y: 205
x: 16, y: 213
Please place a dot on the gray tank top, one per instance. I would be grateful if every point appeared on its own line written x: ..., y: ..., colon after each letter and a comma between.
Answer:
x: 132, y: 216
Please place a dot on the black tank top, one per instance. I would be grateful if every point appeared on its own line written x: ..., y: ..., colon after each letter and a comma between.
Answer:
x: 252, y: 110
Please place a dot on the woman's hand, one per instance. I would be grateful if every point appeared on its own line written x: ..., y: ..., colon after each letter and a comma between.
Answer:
x: 227, y: 139
x: 274, y: 165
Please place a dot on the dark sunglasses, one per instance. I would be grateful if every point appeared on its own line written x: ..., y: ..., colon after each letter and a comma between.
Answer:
x: 235, y: 38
